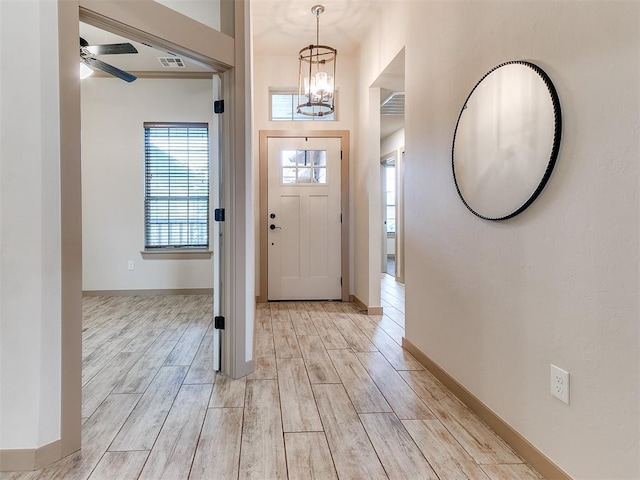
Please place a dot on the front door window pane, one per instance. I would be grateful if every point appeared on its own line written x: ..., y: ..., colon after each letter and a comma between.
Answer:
x: 305, y: 167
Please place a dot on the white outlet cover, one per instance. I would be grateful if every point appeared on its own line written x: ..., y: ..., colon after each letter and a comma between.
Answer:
x: 559, y: 383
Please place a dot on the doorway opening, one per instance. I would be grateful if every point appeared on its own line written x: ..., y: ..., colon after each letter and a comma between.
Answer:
x: 392, y: 140
x: 181, y: 186
x: 128, y: 23
x: 389, y: 212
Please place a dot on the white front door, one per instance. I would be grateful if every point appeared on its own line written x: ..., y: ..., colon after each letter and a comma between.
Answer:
x: 304, y: 236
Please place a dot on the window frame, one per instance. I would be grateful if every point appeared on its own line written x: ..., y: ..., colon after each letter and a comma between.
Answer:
x: 293, y: 92
x: 187, y: 250
x: 296, y: 166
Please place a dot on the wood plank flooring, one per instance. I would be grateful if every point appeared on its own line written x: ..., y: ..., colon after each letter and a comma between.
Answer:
x: 334, y: 396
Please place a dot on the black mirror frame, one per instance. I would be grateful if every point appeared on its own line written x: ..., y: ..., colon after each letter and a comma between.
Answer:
x: 557, y: 113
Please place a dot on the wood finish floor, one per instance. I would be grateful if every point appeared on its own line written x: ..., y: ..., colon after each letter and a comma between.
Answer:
x: 333, y: 396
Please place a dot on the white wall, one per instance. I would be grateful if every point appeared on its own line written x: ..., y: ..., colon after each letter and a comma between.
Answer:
x: 496, y: 303
x: 391, y: 246
x: 29, y: 226
x: 393, y: 142
x: 113, y: 113
x: 203, y: 11
x: 282, y: 72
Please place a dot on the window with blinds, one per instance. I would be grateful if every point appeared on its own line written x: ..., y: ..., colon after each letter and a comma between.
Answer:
x: 176, y: 200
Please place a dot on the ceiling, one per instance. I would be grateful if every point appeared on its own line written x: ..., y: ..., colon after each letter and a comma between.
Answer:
x: 146, y: 60
x: 285, y: 26
x: 280, y: 27
x: 391, y: 111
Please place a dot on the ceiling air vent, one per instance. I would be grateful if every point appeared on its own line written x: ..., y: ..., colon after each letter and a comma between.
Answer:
x: 393, y: 104
x: 172, y: 62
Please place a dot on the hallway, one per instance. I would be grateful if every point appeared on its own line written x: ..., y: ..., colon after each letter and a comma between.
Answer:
x: 333, y: 396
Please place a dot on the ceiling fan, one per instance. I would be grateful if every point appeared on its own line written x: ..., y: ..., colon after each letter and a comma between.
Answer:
x: 89, y: 52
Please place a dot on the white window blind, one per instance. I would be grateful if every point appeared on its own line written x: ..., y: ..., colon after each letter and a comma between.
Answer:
x: 176, y: 202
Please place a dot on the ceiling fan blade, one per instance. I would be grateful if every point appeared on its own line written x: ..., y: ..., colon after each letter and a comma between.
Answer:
x: 111, y: 49
x: 105, y: 67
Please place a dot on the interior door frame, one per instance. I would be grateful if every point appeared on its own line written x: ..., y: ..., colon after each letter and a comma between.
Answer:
x: 383, y: 214
x: 398, y: 158
x: 265, y: 135
x: 228, y: 55
x: 223, y: 360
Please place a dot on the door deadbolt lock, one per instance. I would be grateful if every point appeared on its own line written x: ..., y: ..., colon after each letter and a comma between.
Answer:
x: 273, y: 215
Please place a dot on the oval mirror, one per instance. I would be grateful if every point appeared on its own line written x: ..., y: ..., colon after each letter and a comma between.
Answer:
x: 506, y: 140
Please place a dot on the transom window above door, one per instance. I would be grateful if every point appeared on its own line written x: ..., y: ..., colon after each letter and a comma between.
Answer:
x: 283, y: 107
x: 304, y: 167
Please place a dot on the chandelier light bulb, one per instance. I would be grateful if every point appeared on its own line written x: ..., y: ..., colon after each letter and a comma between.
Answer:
x: 322, y: 82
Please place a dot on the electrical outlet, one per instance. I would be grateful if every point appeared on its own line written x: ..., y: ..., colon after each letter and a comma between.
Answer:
x: 130, y: 264
x: 560, y: 384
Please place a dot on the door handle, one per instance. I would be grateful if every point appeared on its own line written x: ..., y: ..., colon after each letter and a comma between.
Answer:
x: 273, y: 227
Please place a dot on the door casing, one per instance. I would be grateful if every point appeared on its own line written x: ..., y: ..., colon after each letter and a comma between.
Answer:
x: 111, y: 15
x: 343, y: 135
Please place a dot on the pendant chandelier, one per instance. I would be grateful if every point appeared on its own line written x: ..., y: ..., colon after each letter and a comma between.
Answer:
x: 316, y: 75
